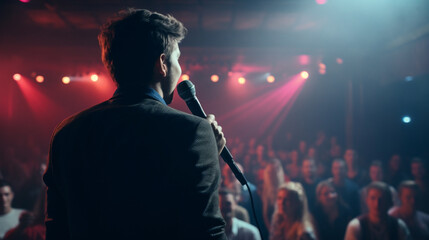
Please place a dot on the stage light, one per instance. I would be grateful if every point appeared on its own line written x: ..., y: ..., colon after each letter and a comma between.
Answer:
x: 304, y: 59
x: 25, y: 1
x: 322, y: 66
x: 185, y: 77
x: 66, y: 80
x: 322, y: 71
x: 17, y: 77
x: 406, y: 119
x: 241, y: 80
x: 214, y: 78
x: 339, y: 61
x: 409, y: 78
x: 304, y: 74
x: 94, y: 77
x: 321, y: 2
x: 40, y: 78
x: 271, y: 79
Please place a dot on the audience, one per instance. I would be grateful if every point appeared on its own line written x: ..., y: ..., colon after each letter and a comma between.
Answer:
x: 347, y: 190
x: 416, y: 221
x: 273, y: 179
x: 309, y: 181
x: 9, y: 216
x: 376, y: 175
x: 331, y: 214
x: 420, y: 176
x: 291, y: 219
x: 235, y: 229
x: 289, y: 179
x: 377, y: 224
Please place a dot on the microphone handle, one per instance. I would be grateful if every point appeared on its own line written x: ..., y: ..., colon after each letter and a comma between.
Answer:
x: 196, y: 109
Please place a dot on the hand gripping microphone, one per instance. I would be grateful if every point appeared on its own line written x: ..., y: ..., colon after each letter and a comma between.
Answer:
x: 186, y: 90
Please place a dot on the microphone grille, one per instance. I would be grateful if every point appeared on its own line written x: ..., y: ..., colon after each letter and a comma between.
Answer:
x: 186, y: 90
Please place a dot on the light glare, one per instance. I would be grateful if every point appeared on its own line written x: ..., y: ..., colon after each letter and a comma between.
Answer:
x: 40, y: 78
x: 271, y: 79
x: 17, y: 76
x: 241, y: 80
x: 94, y: 77
x: 304, y: 74
x: 66, y: 80
x: 214, y: 78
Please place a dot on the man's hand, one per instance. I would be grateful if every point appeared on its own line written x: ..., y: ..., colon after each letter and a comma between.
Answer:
x: 220, y: 138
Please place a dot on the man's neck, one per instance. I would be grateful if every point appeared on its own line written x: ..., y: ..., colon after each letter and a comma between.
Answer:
x: 376, y: 218
x: 5, y: 211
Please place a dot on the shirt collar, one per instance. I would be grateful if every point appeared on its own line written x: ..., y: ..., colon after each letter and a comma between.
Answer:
x: 146, y: 91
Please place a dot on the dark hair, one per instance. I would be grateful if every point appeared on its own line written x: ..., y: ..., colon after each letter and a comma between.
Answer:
x: 384, y: 189
x: 4, y: 183
x: 376, y: 163
x: 408, y: 184
x: 131, y: 41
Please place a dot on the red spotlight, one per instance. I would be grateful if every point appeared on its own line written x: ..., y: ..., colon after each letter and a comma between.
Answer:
x: 40, y: 78
x: 94, y: 77
x: 185, y: 77
x: 322, y: 66
x: 66, y: 80
x: 304, y: 59
x: 321, y: 1
x: 339, y: 61
x: 271, y: 79
x: 17, y: 77
x: 24, y: 1
x: 322, y: 71
x: 241, y: 80
x: 214, y: 78
x: 304, y: 74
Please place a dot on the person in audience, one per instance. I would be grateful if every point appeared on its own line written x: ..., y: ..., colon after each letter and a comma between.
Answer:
x: 395, y: 175
x: 420, y: 176
x: 302, y: 150
x: 291, y: 219
x: 309, y: 181
x: 331, y: 215
x: 273, y: 178
x: 231, y: 182
x: 292, y: 168
x: 376, y: 175
x: 354, y: 170
x: 347, y: 190
x: 416, y: 221
x: 335, y: 150
x: 31, y: 224
x: 377, y: 224
x: 9, y: 216
x: 235, y: 228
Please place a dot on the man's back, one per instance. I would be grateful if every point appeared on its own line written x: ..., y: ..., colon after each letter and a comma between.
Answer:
x: 132, y: 167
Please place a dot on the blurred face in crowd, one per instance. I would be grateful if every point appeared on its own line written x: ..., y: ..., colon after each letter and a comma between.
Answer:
x: 287, y: 203
x: 328, y: 197
x: 293, y: 156
x: 227, y: 205
x: 339, y: 170
x: 408, y: 198
x: 395, y: 162
x: 377, y: 203
x: 376, y: 173
x: 308, y: 169
x: 302, y: 146
x: 6, y: 198
x: 260, y: 150
x: 350, y: 157
x: 418, y: 170
x: 311, y: 153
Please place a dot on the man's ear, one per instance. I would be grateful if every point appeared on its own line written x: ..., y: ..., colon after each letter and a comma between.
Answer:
x: 161, y: 65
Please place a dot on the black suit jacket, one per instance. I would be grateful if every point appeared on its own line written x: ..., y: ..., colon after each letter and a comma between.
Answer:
x: 133, y: 168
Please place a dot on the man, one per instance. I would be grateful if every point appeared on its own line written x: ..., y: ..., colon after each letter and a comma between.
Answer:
x: 235, y: 229
x: 346, y: 189
x: 417, y: 221
x: 376, y: 175
x: 354, y: 170
x: 132, y: 167
x: 9, y: 217
x: 309, y: 181
x: 377, y: 224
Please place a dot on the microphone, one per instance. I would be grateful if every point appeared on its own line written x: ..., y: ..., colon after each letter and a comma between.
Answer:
x: 186, y: 90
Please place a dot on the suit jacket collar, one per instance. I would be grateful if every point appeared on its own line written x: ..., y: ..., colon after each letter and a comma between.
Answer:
x: 137, y: 91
